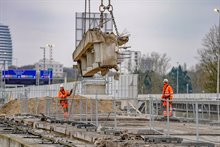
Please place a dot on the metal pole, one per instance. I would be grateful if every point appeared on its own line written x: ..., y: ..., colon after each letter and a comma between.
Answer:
x: 91, y: 109
x: 209, y: 111
x: 49, y: 78
x: 114, y: 108
x: 70, y: 101
x: 56, y: 101
x: 218, y: 53
x: 145, y: 106
x: 86, y: 109
x: 80, y: 109
x: 96, y: 110
x: 4, y: 74
x: 150, y: 112
x: 157, y: 113
x: 218, y: 84
x: 37, y: 104
x: 152, y: 109
x: 187, y: 111
x: 168, y: 118
x: 197, y: 122
x: 72, y: 110
x: 202, y: 110
x: 177, y: 79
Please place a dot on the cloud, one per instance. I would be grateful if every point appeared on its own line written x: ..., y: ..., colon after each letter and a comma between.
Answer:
x: 172, y: 26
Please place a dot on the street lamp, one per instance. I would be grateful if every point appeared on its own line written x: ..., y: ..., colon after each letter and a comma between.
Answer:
x: 51, y: 58
x: 218, y: 11
x: 177, y: 78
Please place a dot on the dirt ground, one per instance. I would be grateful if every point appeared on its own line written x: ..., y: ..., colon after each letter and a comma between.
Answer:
x: 45, y: 104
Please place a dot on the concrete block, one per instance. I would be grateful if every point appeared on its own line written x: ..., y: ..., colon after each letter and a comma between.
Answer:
x: 43, y: 126
x: 198, y: 144
x: 83, y: 136
x: 163, y: 139
x: 59, y: 129
x: 148, y: 132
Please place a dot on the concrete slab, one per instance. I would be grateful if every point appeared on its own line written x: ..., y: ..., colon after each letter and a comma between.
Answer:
x: 162, y: 139
x: 198, y: 144
x: 148, y: 131
x: 60, y: 129
x: 215, y: 123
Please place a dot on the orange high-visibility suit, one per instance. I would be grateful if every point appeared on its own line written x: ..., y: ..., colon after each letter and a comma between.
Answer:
x: 63, y: 94
x: 167, y: 94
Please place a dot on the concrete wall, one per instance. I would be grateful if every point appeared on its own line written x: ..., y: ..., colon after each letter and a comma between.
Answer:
x: 6, y: 141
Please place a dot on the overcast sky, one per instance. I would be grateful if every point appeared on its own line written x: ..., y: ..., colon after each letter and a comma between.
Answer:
x: 175, y: 27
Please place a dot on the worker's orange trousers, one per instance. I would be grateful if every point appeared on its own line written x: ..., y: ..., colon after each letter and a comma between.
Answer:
x: 64, y: 104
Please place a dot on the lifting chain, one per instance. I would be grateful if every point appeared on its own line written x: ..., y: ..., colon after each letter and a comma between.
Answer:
x: 102, y: 9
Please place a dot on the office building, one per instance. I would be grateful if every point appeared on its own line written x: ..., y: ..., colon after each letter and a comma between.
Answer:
x: 48, y: 64
x: 130, y: 61
x: 5, y: 46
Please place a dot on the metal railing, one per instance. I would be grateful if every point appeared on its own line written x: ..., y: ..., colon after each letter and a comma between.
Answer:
x: 108, y: 112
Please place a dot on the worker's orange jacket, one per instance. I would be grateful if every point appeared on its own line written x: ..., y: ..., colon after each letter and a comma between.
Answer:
x: 63, y: 95
x: 167, y: 93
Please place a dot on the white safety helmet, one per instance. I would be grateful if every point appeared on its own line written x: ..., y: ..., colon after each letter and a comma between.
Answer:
x: 165, y: 80
x: 61, y: 86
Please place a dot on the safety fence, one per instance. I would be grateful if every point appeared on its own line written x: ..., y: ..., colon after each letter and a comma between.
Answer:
x: 195, y: 115
x: 109, y: 112
x: 208, y: 109
x: 125, y: 87
x: 83, y: 109
x: 35, y: 91
x: 84, y: 105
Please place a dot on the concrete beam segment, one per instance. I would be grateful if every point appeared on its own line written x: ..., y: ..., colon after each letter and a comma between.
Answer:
x: 97, y: 52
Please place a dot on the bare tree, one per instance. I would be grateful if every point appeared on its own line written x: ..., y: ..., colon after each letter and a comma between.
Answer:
x: 197, y: 76
x: 153, y: 67
x: 156, y: 62
x: 208, y: 58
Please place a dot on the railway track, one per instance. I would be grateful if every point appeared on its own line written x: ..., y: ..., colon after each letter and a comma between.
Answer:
x: 30, y: 133
x: 43, y: 131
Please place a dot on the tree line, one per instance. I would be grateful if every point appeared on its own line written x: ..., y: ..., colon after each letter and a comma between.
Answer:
x: 201, y: 78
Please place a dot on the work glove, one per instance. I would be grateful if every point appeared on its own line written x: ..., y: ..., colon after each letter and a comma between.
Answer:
x: 171, y: 102
x: 71, y: 91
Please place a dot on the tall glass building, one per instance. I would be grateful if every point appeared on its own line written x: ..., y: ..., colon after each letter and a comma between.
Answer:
x: 5, y: 45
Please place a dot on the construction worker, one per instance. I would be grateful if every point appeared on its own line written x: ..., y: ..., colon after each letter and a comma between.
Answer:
x: 167, y: 94
x: 63, y: 95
